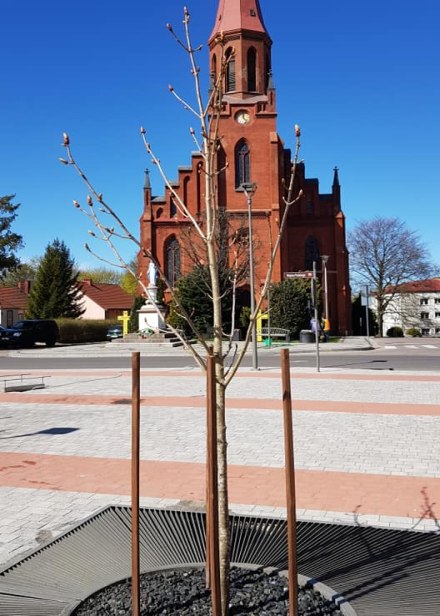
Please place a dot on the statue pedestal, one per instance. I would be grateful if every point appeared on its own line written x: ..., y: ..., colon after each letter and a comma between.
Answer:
x: 152, y: 316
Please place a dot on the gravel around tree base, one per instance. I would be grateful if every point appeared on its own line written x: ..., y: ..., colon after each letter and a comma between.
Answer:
x: 182, y: 592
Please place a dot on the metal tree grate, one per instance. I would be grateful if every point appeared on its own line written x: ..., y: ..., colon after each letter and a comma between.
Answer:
x: 379, y: 572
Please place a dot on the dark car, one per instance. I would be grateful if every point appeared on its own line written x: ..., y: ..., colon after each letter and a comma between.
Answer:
x: 3, y: 336
x: 27, y: 332
x: 115, y: 331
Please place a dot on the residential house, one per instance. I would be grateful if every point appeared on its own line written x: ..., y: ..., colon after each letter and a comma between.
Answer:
x: 103, y: 301
x: 416, y: 304
x: 13, y: 302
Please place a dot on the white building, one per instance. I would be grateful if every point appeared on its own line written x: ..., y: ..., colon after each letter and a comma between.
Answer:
x: 416, y: 304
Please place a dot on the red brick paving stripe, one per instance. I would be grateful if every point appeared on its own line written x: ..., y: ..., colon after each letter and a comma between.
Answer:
x: 331, y: 406
x: 249, y: 485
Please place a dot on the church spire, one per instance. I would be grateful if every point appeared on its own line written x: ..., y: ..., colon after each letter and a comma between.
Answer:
x: 234, y: 15
x: 245, y: 45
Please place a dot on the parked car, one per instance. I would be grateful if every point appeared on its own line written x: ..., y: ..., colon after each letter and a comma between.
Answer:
x: 29, y: 331
x: 3, y: 334
x: 115, y: 331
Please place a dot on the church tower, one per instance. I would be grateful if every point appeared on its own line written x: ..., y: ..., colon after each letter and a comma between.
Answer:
x: 250, y: 142
x: 251, y: 152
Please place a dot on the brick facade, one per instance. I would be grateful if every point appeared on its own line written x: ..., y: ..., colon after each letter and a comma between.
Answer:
x: 316, y: 224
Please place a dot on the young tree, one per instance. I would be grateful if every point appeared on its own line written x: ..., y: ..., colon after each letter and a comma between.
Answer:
x: 9, y: 241
x: 384, y: 253
x: 208, y: 144
x: 55, y: 293
x: 194, y: 293
x: 290, y: 305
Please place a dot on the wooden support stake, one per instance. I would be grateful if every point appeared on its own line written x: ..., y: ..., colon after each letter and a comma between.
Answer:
x: 212, y: 538
x: 290, y: 484
x: 135, y: 440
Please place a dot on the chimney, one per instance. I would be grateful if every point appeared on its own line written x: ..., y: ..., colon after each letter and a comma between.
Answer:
x: 25, y: 286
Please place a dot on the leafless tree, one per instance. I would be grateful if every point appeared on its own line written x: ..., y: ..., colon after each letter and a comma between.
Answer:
x: 384, y: 253
x: 110, y: 229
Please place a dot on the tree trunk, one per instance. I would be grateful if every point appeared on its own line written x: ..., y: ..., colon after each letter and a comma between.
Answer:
x: 223, y: 504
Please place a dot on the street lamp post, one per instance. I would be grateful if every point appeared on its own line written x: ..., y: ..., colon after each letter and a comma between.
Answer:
x: 324, y: 259
x: 249, y: 191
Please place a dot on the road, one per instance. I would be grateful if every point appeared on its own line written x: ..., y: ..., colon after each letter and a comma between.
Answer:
x: 420, y: 355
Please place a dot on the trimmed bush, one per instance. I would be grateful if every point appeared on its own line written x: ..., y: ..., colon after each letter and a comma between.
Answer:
x: 414, y: 332
x: 395, y: 332
x: 83, y: 330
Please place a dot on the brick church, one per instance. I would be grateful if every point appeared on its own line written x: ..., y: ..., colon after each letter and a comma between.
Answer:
x: 255, y: 153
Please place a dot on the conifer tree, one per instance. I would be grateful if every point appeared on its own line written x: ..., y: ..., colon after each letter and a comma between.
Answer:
x: 55, y: 293
x: 9, y: 241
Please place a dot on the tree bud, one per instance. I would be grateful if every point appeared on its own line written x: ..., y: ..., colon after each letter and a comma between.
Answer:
x: 66, y: 140
x: 297, y: 130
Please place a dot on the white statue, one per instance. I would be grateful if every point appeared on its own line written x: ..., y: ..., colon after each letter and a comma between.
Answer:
x: 152, y: 274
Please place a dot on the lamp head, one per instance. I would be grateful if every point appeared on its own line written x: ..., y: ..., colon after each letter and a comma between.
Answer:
x: 249, y: 187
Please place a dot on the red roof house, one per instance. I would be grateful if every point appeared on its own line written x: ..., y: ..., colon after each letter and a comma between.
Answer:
x: 103, y: 301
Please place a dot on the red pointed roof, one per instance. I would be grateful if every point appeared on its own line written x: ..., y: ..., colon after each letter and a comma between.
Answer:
x: 13, y: 298
x: 419, y: 286
x: 108, y: 296
x: 238, y: 15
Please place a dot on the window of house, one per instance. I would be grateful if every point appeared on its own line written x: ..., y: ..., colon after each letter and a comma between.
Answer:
x: 437, y: 330
x: 437, y: 315
x: 173, y: 261
x: 424, y: 315
x: 425, y: 332
x: 9, y: 318
x: 252, y: 70
x: 424, y: 301
x: 242, y: 164
x: 230, y: 70
x: 437, y: 300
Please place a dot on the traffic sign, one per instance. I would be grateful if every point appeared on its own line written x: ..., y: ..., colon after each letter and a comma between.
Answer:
x: 298, y: 275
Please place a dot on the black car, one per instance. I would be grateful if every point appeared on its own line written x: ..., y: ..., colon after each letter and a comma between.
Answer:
x: 3, y: 335
x: 27, y: 332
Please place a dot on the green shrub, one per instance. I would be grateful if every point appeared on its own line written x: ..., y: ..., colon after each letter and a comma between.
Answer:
x: 395, y: 332
x: 83, y: 330
x: 414, y: 332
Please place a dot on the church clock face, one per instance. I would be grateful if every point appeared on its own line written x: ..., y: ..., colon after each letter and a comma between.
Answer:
x: 242, y: 117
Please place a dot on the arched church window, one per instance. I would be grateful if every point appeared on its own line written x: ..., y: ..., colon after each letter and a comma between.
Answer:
x: 242, y: 164
x: 230, y: 70
x: 173, y: 208
x: 268, y: 70
x: 172, y: 256
x: 311, y: 252
x: 252, y: 69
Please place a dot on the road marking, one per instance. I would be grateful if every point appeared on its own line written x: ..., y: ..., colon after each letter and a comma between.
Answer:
x: 392, y: 347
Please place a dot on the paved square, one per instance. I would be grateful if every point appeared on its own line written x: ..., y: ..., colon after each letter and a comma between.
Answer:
x: 367, y: 448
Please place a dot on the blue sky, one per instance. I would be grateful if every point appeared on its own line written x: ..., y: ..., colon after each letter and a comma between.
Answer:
x: 360, y: 78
